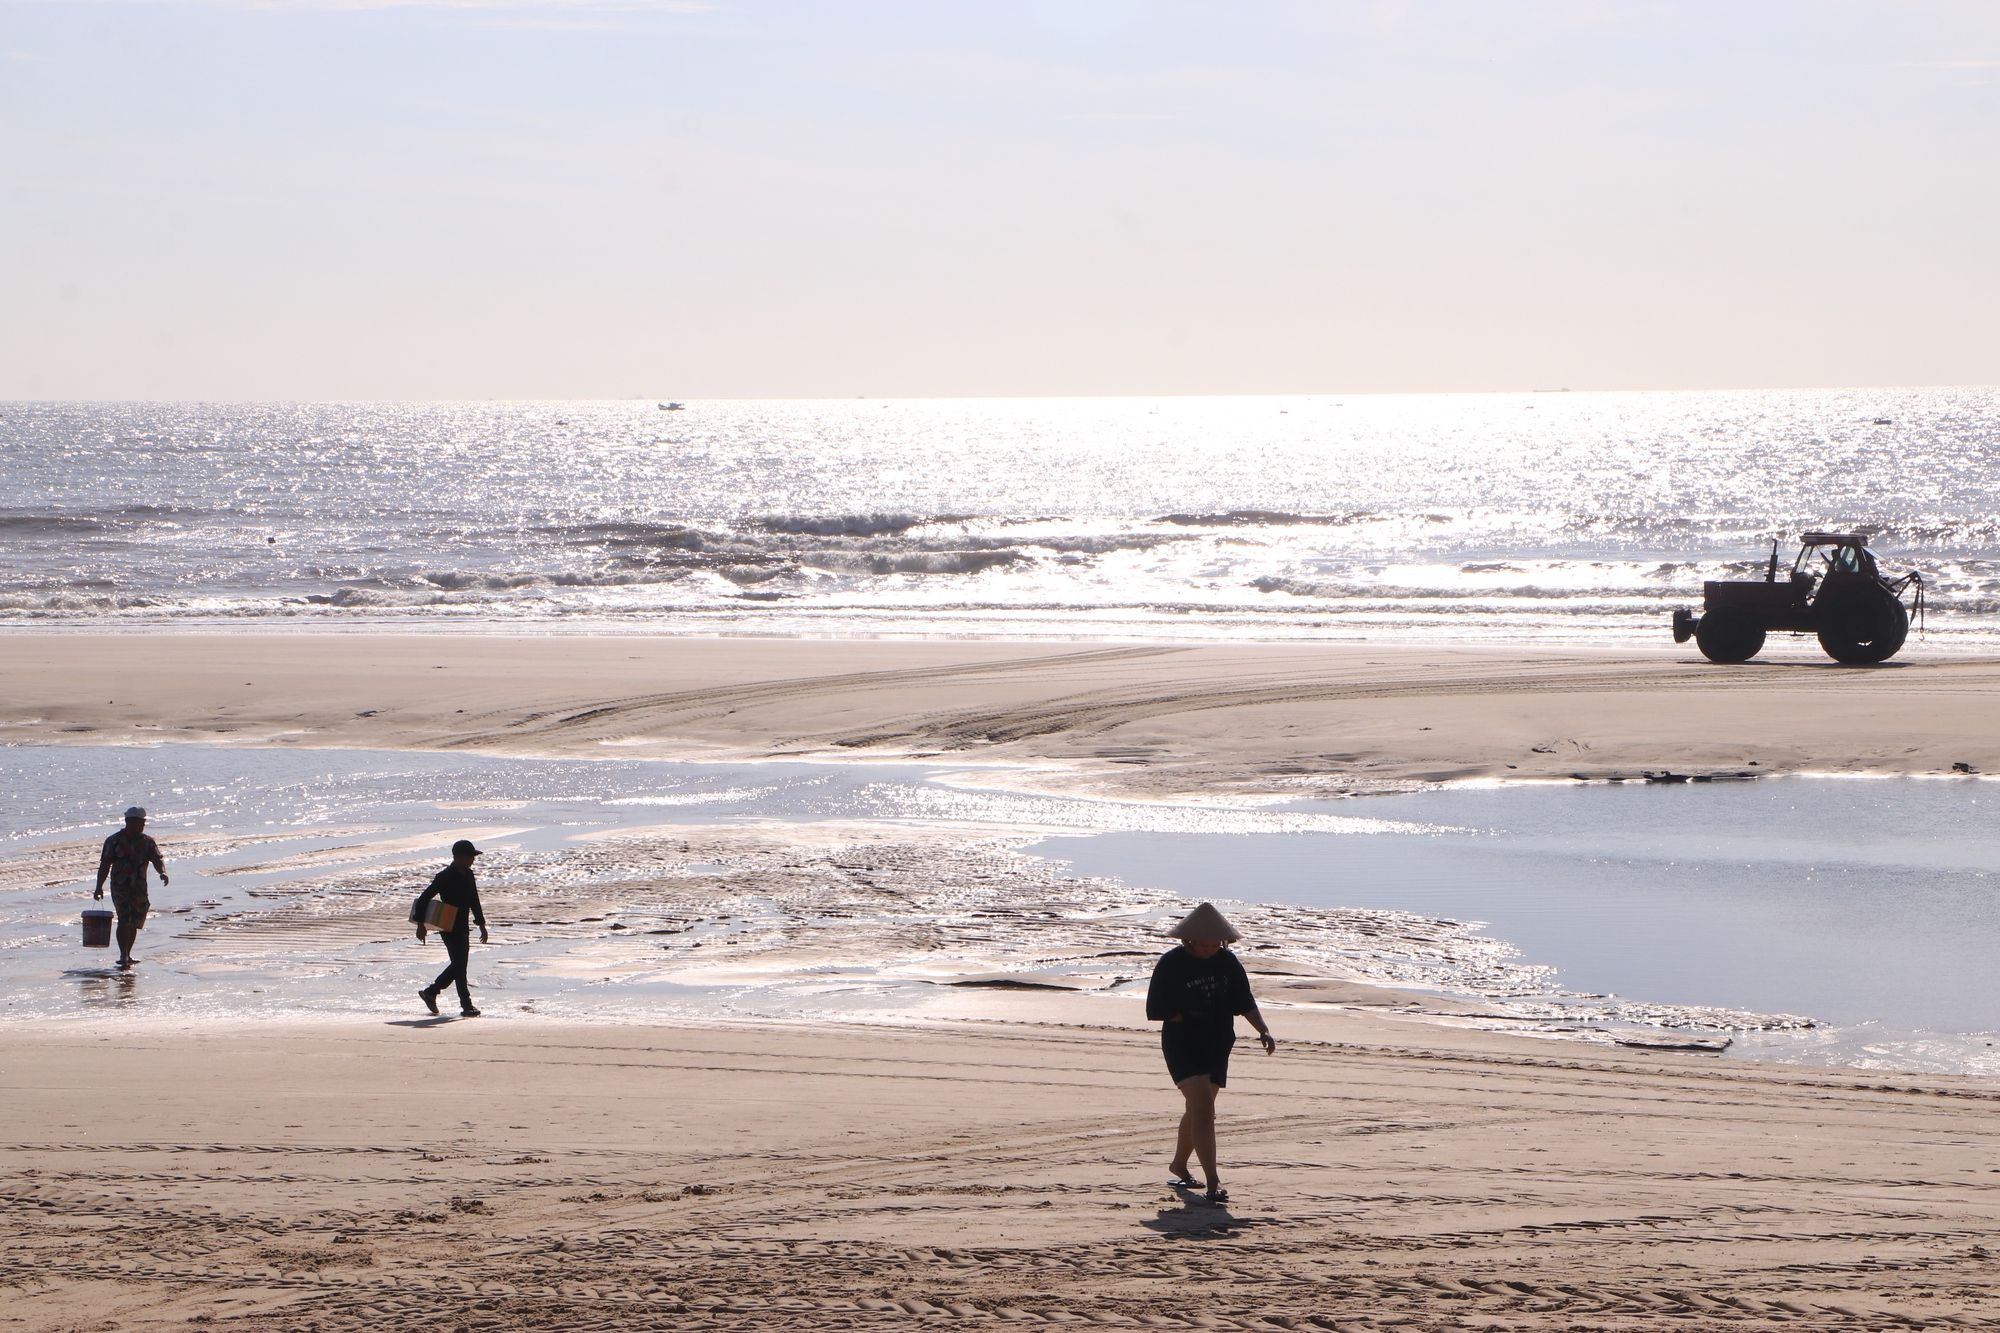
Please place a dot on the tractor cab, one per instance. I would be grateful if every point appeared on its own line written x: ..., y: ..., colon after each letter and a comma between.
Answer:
x: 1833, y: 553
x: 1829, y: 558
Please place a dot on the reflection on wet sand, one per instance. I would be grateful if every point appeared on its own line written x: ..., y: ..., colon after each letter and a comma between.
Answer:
x: 100, y: 986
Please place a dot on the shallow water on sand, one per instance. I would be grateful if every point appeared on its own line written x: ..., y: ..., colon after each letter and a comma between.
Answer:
x: 1865, y: 905
x: 1869, y: 905
x: 290, y: 872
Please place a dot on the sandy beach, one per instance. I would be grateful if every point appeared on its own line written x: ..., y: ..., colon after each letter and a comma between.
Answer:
x: 997, y: 1156
x: 516, y: 1175
x: 1146, y: 720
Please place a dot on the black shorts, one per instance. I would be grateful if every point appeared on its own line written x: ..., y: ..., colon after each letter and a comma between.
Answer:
x: 1197, y: 1050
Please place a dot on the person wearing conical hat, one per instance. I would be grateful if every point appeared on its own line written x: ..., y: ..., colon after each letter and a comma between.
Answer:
x: 1197, y: 991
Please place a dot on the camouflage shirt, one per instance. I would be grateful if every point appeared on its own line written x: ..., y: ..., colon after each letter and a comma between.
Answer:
x: 126, y: 856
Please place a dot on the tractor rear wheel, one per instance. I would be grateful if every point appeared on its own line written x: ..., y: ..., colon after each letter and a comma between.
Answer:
x: 1729, y: 634
x: 1862, y: 627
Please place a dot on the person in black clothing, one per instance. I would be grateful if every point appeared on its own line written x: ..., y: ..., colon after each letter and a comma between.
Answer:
x: 456, y: 886
x: 1196, y: 993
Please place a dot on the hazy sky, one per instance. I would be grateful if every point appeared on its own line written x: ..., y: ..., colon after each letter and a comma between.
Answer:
x: 747, y: 198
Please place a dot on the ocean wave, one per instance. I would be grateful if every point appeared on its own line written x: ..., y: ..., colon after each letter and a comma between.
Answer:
x: 1379, y: 592
x: 799, y: 538
x: 75, y: 601
x: 1980, y: 533
x: 157, y: 511
x: 669, y: 536
x: 852, y: 525
x: 471, y: 581
x: 1886, y: 536
x: 745, y: 574
x: 53, y: 525
x: 913, y: 562
x: 1680, y: 526
x: 1092, y: 544
x: 1947, y: 603
x: 68, y: 522
x: 1243, y: 518
x: 377, y: 597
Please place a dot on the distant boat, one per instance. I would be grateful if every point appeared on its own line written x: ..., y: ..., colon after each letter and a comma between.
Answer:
x: 672, y: 407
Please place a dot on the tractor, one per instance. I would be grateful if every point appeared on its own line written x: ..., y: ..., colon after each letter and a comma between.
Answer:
x: 1841, y: 596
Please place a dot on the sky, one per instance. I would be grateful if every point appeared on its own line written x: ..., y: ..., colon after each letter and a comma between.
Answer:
x: 355, y: 199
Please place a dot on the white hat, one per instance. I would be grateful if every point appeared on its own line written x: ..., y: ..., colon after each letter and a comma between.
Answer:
x: 1205, y: 923
x: 136, y: 812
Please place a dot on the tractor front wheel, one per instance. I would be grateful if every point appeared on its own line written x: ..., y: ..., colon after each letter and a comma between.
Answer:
x: 1863, y: 627
x: 1729, y: 634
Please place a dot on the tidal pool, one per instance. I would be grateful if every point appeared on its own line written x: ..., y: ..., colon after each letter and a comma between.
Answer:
x: 1865, y: 905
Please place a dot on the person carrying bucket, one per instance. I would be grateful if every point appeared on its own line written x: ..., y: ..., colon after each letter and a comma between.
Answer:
x: 458, y: 890
x: 127, y: 853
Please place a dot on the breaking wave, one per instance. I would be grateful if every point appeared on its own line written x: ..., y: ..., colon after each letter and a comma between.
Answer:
x: 851, y: 525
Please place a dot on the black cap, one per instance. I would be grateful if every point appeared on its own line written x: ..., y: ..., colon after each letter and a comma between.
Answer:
x: 464, y: 847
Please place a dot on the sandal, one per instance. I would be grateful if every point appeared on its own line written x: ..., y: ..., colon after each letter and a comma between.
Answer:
x: 1217, y: 1195
x: 1182, y: 1183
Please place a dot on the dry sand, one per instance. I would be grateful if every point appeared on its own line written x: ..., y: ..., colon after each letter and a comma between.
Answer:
x: 503, y: 1174
x: 1135, y: 720
x: 1003, y: 1160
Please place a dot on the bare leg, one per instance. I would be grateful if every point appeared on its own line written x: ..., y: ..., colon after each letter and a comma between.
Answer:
x: 1197, y: 1131
x: 127, y: 936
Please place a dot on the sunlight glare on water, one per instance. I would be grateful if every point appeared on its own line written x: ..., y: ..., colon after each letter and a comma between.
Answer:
x: 1550, y: 517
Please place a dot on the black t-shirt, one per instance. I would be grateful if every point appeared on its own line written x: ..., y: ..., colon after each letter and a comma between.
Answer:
x: 1205, y: 992
x: 461, y: 890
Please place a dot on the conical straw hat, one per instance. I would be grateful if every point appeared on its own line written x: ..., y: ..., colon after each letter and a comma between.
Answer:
x: 1205, y: 923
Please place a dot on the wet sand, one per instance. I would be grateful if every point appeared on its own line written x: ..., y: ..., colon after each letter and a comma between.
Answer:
x: 501, y: 1175
x: 826, y: 919
x: 1155, y: 721
x: 997, y: 1158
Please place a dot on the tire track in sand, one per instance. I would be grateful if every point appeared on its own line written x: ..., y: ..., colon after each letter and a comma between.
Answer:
x: 611, y: 718
x: 1377, y: 1189
x: 1204, y: 689
x: 1099, y: 711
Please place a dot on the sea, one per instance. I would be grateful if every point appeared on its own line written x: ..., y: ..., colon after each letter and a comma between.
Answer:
x: 1554, y: 518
